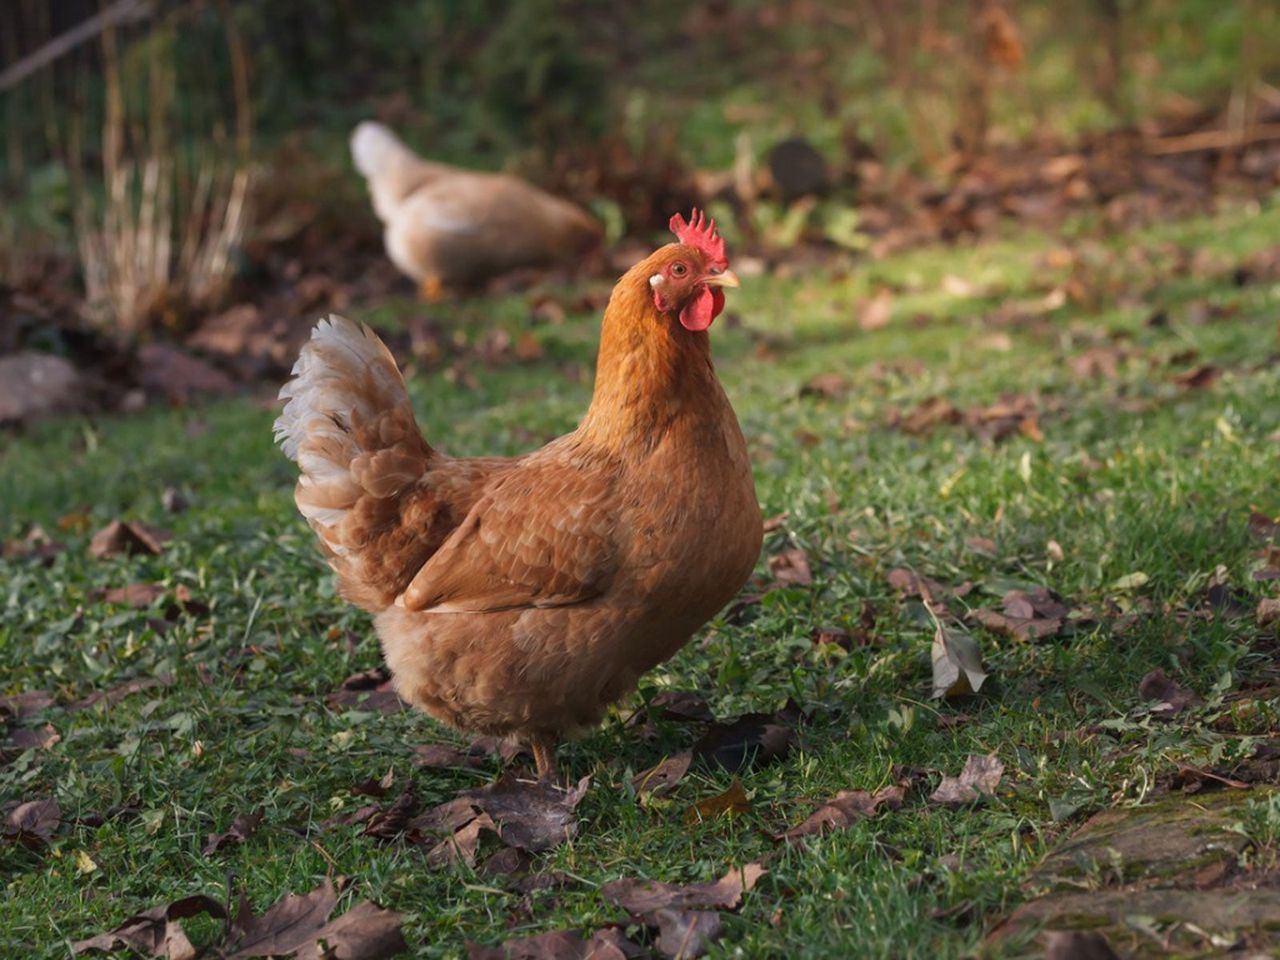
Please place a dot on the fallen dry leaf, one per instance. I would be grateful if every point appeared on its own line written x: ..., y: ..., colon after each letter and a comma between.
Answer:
x: 365, y: 932
x: 368, y: 690
x: 980, y: 776
x: 32, y: 738
x: 682, y: 705
x: 731, y: 802
x: 929, y: 413
x: 1268, y: 611
x: 21, y: 705
x: 828, y: 385
x: 1027, y: 616
x: 791, y: 567
x: 463, y: 845
x: 1172, y: 697
x: 644, y: 896
x: 753, y: 739
x: 136, y: 595
x: 606, y: 944
x: 531, y: 815
x: 287, y: 925
x: 845, y: 809
x: 908, y: 583
x: 113, y: 695
x: 33, y: 823
x: 875, y: 313
x: 156, y: 932
x: 1262, y: 526
x: 1197, y: 378
x: 957, y: 664
x: 36, y: 545
x: 439, y: 756
x: 1077, y: 945
x: 242, y: 827
x: 662, y: 778
x: 685, y: 934
x: 129, y: 537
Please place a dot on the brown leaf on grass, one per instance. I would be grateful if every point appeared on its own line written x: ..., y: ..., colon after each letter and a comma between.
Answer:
x: 529, y: 814
x: 36, y: 545
x: 1197, y: 378
x: 393, y: 821
x: 1027, y: 616
x: 925, y: 416
x: 1013, y: 413
x: 791, y: 567
x: 1172, y: 697
x: 876, y: 312
x: 828, y: 385
x: 845, y: 809
x: 440, y: 756
x: 606, y: 944
x: 33, y: 823
x: 114, y: 695
x: 19, y: 706
x: 908, y: 583
x: 156, y: 932
x: 368, y: 690
x: 1077, y: 945
x: 463, y: 845
x: 365, y: 932
x: 957, y: 664
x: 127, y: 537
x: 33, y: 738
x: 375, y: 788
x: 1262, y: 526
x: 640, y: 897
x: 776, y: 522
x: 685, y: 934
x: 832, y: 636
x: 753, y: 739
x: 980, y: 777
x: 507, y: 862
x: 1268, y: 611
x: 290, y: 923
x: 731, y: 802
x: 136, y: 595
x: 681, y: 705
x: 662, y: 778
x: 242, y: 827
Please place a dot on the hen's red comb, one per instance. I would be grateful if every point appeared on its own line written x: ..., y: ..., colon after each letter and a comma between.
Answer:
x: 701, y: 235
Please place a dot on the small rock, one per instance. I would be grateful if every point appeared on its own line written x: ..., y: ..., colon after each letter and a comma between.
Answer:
x: 36, y: 384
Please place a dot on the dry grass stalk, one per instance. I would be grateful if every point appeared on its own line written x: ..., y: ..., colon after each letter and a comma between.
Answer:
x: 147, y: 253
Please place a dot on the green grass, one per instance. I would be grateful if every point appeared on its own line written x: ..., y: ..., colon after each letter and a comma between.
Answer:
x: 1134, y: 474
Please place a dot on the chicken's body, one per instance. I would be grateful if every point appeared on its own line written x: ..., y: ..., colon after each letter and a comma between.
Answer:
x: 455, y: 228
x: 522, y: 596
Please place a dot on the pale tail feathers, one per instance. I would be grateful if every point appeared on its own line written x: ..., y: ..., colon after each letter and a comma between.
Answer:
x: 349, y: 426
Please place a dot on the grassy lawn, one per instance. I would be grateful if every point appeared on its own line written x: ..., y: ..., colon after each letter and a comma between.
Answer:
x: 1143, y: 484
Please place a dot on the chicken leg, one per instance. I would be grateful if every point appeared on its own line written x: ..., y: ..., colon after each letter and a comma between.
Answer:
x: 544, y: 758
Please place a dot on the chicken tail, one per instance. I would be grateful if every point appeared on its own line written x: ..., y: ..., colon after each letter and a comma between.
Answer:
x: 349, y: 426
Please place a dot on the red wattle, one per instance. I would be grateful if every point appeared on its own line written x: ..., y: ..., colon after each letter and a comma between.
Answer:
x: 701, y: 310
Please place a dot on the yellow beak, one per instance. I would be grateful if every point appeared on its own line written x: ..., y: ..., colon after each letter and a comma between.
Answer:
x: 725, y: 278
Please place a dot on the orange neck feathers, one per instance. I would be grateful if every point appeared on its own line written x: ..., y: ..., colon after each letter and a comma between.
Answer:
x: 649, y: 372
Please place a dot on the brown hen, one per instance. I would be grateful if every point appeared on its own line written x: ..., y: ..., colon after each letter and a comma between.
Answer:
x: 521, y: 596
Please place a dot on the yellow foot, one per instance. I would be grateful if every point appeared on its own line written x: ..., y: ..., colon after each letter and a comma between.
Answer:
x: 431, y: 289
x: 544, y: 758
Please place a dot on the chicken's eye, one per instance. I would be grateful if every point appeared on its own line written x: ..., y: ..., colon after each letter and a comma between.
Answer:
x: 678, y: 269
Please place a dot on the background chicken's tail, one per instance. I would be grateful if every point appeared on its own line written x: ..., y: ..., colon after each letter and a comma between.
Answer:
x: 349, y: 426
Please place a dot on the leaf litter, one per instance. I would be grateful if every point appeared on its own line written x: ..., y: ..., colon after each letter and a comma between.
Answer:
x: 297, y: 926
x: 845, y: 809
x: 980, y: 777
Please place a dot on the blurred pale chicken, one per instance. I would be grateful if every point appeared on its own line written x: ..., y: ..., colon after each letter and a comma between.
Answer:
x: 450, y: 228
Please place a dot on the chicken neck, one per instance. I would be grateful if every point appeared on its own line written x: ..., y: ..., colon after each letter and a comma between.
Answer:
x: 650, y: 372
